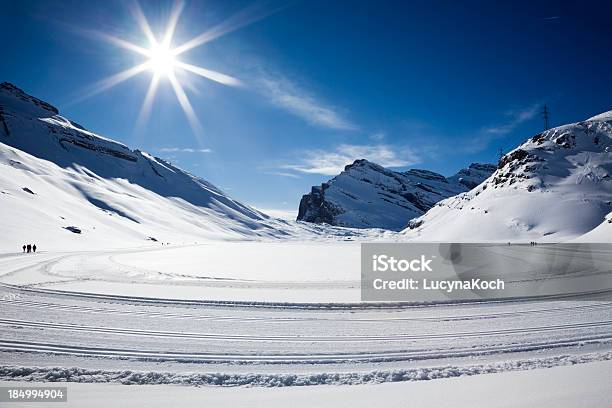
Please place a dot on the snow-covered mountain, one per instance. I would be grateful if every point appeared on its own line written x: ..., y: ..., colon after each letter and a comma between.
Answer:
x: 366, y: 195
x: 63, y: 186
x: 556, y: 186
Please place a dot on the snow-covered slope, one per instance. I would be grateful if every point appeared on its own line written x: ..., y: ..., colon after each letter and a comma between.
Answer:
x: 556, y: 186
x: 366, y: 195
x: 55, y: 175
x: 601, y: 233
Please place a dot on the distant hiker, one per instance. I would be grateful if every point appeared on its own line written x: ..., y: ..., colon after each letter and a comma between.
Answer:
x: 34, y: 247
x: 24, y: 247
x: 29, y: 247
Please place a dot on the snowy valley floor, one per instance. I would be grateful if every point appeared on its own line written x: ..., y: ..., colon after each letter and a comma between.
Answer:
x: 264, y: 315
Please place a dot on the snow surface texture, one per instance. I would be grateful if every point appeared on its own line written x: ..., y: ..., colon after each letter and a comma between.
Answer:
x: 306, y: 275
x: 559, y: 387
x: 556, y: 186
x: 129, y: 377
x: 366, y: 195
x: 75, y: 188
x: 53, y: 334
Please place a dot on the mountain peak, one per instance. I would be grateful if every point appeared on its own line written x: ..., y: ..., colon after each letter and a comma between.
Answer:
x: 14, y: 98
x: 602, y: 116
x: 360, y: 163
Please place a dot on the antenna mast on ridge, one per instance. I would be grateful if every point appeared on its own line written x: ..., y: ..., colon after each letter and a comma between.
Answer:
x: 545, y: 114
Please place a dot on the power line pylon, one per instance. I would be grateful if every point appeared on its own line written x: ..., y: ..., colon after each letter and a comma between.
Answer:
x: 545, y: 114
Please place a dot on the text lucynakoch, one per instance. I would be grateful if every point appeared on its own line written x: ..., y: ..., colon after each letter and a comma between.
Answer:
x: 441, y: 285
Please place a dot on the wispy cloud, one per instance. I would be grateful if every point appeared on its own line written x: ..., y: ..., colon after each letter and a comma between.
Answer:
x: 183, y: 150
x: 516, y: 117
x: 288, y: 95
x: 488, y: 134
x: 333, y: 162
x: 282, y: 174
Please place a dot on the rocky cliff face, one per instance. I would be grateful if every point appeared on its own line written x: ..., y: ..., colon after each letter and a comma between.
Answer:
x: 366, y: 195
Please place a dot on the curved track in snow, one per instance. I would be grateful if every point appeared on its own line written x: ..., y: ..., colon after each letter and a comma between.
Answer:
x: 44, y: 324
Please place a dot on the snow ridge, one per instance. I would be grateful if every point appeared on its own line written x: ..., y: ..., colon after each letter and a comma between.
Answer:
x: 128, y: 377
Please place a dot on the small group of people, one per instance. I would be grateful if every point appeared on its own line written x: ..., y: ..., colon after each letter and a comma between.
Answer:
x: 533, y: 243
x: 29, y: 248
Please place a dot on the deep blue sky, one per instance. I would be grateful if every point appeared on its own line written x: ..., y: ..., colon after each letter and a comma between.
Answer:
x: 429, y: 84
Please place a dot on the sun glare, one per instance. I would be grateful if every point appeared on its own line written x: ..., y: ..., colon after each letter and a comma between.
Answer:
x: 162, y: 60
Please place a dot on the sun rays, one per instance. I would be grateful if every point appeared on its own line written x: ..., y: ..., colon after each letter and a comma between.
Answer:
x: 161, y: 58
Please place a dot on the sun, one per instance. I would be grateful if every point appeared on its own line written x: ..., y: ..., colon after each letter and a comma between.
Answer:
x: 161, y: 60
